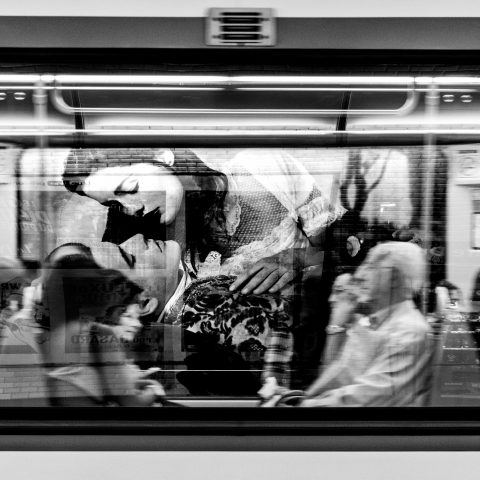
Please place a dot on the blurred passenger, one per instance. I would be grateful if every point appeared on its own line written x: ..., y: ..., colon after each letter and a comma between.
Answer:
x: 86, y: 356
x: 448, y: 297
x: 386, y: 357
x: 18, y: 328
x: 343, y: 305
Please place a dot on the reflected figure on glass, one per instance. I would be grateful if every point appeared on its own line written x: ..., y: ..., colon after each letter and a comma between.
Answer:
x: 92, y: 312
x: 385, y: 356
x: 18, y: 326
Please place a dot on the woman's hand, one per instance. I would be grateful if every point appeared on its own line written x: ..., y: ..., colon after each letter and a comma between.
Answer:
x: 270, y: 274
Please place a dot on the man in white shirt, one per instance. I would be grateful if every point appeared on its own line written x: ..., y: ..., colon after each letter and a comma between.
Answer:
x: 385, y: 359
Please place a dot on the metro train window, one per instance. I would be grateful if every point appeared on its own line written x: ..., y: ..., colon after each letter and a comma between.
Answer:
x: 239, y: 240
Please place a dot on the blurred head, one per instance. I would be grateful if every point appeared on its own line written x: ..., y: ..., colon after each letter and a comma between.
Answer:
x: 340, y: 289
x: 153, y: 265
x: 13, y: 279
x: 75, y: 285
x: 125, y: 320
x: 342, y: 301
x: 391, y: 273
x: 136, y: 189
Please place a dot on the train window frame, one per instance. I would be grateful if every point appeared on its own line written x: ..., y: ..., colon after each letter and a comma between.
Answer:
x: 343, y: 423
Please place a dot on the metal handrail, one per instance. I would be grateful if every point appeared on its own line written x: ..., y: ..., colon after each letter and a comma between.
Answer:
x: 411, y: 85
x: 408, y: 106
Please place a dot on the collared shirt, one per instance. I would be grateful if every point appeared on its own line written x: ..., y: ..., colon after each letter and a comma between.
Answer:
x: 385, y: 361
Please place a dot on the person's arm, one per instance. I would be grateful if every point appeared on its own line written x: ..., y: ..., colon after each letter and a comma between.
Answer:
x: 272, y: 274
x: 119, y: 380
x: 124, y: 387
x: 336, y: 337
x: 394, y: 378
x: 296, y: 189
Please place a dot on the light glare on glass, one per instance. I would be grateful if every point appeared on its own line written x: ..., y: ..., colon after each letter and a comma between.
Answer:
x: 19, y: 96
x: 448, y: 98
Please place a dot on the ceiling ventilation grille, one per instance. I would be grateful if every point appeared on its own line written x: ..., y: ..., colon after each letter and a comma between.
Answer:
x: 241, y: 26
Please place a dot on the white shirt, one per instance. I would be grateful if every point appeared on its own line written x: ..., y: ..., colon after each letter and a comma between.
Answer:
x: 384, y: 362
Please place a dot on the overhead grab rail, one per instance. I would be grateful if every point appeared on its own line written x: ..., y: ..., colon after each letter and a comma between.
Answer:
x: 246, y: 83
x: 411, y: 86
x: 408, y: 106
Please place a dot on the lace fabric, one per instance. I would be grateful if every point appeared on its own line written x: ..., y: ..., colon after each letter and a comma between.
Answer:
x: 293, y: 209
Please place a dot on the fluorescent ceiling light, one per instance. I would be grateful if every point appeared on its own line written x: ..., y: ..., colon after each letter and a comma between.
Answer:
x: 180, y: 81
x: 232, y: 132
x: 142, y: 79
x: 7, y: 77
x: 134, y: 88
x: 324, y: 80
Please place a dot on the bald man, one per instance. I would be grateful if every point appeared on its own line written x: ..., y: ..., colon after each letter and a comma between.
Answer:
x: 385, y: 360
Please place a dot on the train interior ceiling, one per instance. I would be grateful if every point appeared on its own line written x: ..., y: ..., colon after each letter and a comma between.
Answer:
x: 397, y: 145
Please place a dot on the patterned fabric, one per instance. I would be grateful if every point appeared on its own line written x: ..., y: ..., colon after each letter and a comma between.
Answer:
x: 243, y: 323
x: 260, y: 212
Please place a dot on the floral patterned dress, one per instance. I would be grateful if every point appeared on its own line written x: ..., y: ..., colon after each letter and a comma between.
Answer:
x: 246, y: 324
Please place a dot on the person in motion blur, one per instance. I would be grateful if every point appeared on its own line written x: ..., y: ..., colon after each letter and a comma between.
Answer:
x: 379, y: 345
x: 385, y: 360
x: 92, y: 311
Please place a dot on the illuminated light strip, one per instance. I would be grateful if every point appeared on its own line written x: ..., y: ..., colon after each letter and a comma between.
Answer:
x: 323, y: 89
x: 467, y: 81
x: 150, y: 132
x: 27, y: 78
x: 352, y: 89
x: 133, y: 88
x: 235, y: 88
x: 233, y: 132
x: 104, y: 88
x: 297, y: 80
x: 339, y: 80
x: 277, y: 79
x: 210, y: 79
x: 24, y: 87
x: 213, y: 131
x: 141, y: 79
x: 432, y: 131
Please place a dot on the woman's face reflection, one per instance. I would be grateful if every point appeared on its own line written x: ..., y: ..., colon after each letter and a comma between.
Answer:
x: 126, y: 322
x: 139, y: 189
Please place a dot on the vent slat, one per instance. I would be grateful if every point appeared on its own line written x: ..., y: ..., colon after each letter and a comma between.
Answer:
x: 237, y: 26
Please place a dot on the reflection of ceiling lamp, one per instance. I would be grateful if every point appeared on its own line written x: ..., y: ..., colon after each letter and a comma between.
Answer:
x: 383, y: 206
